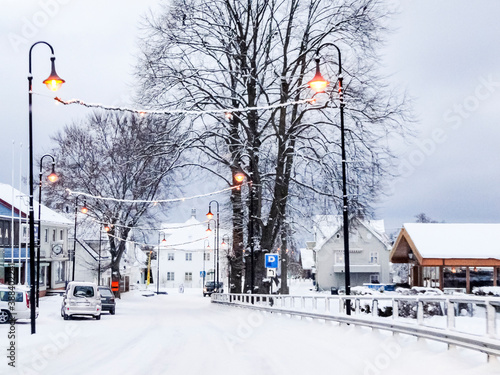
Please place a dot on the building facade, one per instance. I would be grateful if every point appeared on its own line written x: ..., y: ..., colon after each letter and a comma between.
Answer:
x: 52, y: 233
x: 187, y: 254
x: 368, y: 252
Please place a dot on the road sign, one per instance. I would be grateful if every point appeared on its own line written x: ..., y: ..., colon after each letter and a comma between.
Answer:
x: 272, y: 260
x: 202, y: 274
x: 271, y: 272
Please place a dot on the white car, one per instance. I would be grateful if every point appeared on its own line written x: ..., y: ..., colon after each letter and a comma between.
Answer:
x: 21, y: 303
x: 81, y: 298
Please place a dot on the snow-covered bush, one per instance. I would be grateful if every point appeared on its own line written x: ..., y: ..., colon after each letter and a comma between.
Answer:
x: 408, y: 309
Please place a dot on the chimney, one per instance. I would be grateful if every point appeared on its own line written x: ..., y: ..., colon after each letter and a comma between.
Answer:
x: 193, y: 212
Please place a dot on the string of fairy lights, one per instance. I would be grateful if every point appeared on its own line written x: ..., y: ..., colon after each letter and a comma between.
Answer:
x: 227, y: 112
x: 162, y: 245
x: 153, y: 202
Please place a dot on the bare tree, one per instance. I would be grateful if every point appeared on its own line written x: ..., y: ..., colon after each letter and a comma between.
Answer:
x: 127, y: 159
x: 255, y: 58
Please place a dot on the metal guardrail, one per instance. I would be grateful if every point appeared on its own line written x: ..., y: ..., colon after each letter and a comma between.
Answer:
x: 366, y: 313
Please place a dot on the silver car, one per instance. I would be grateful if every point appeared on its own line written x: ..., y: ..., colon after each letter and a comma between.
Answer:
x: 81, y: 298
x: 14, y: 303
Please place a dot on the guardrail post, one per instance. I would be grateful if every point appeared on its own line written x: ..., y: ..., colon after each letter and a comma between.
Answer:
x: 490, y: 319
x: 357, y: 304
x: 450, y: 315
x: 375, y: 307
x: 327, y: 304
x: 395, y: 308
x: 341, y: 305
x: 302, y: 302
x: 315, y: 304
x: 420, y: 312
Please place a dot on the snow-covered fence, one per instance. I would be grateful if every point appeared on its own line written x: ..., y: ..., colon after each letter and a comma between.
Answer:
x: 465, y: 321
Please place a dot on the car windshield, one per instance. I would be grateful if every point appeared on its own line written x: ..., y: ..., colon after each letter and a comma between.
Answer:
x: 105, y: 292
x: 83, y: 291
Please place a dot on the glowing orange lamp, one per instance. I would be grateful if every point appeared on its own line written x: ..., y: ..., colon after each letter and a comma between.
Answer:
x: 318, y: 83
x: 53, y: 82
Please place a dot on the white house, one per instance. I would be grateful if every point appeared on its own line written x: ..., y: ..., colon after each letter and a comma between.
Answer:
x: 187, y: 253
x: 369, y: 251
x: 14, y: 241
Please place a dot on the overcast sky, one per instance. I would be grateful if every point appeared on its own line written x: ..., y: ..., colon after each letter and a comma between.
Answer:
x: 444, y: 53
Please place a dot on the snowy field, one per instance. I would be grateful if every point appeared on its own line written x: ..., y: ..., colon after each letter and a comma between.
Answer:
x: 186, y: 334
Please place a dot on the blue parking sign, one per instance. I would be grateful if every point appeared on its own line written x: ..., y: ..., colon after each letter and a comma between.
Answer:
x: 272, y: 260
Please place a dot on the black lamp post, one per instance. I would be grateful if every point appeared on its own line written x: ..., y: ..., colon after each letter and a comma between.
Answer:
x: 210, y: 215
x: 206, y: 244
x: 319, y: 84
x: 158, y: 263
x: 52, y: 177
x: 84, y: 211
x: 215, y: 247
x: 53, y: 82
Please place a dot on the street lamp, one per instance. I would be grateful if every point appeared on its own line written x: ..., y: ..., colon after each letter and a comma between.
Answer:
x: 319, y: 84
x: 52, y: 177
x: 158, y: 262
x: 53, y: 82
x: 210, y: 215
x: 215, y: 247
x: 239, y: 177
x: 84, y: 210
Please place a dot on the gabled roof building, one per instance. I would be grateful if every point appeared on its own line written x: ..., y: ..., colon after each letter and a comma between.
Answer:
x: 368, y: 251
x: 442, y: 255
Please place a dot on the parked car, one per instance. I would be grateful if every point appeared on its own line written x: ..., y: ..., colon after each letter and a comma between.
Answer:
x: 21, y: 305
x: 210, y: 288
x: 81, y: 298
x: 107, y: 299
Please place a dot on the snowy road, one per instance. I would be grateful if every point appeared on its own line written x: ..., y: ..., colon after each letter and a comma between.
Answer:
x: 186, y: 334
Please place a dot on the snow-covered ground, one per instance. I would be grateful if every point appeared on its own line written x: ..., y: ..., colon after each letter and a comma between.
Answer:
x: 186, y: 334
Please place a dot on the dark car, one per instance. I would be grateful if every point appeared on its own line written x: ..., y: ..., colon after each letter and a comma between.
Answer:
x: 107, y: 299
x: 210, y: 288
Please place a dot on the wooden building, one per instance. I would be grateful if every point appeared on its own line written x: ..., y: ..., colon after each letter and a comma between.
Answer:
x: 455, y: 256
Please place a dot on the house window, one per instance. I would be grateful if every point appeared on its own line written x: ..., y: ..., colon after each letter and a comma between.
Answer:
x: 339, y: 258
x: 170, y: 276
x: 207, y: 256
x: 188, y: 276
x: 170, y: 256
x: 46, y: 235
x: 374, y: 279
x: 189, y: 256
x: 374, y: 257
x: 53, y: 235
x: 61, y: 235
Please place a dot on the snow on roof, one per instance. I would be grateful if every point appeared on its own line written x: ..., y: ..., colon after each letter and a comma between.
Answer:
x: 187, y: 236
x: 306, y: 256
x: 326, y: 226
x: 21, y: 202
x: 443, y: 240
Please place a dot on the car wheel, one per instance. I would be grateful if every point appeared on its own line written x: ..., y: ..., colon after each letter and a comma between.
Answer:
x: 4, y: 316
x: 66, y: 316
x: 98, y: 317
x: 112, y: 312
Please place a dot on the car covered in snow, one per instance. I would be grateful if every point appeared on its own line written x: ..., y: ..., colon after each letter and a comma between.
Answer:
x: 14, y: 303
x: 81, y: 298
